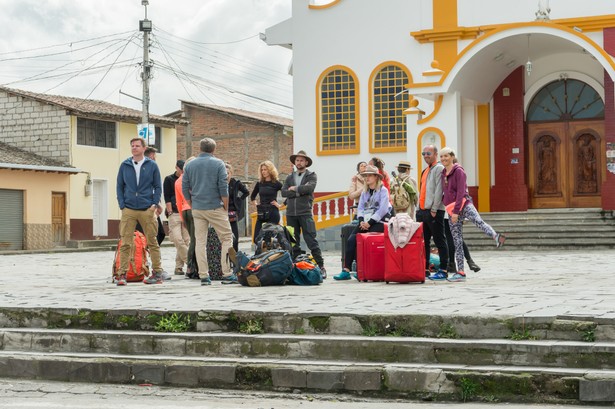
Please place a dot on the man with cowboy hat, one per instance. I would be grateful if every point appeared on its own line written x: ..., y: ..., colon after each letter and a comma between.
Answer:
x: 409, y: 186
x: 298, y: 190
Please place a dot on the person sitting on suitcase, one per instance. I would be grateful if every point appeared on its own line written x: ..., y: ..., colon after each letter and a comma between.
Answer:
x: 374, y: 209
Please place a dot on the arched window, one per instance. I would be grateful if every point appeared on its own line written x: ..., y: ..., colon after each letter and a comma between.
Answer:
x: 565, y: 100
x: 388, y: 103
x: 338, y: 124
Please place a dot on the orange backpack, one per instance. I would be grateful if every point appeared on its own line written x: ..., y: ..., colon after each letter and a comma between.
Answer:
x: 138, y: 268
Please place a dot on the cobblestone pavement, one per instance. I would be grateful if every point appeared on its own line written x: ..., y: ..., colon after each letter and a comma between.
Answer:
x: 19, y: 394
x: 532, y: 284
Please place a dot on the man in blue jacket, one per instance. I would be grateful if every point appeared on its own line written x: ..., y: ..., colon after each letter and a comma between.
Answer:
x: 138, y: 194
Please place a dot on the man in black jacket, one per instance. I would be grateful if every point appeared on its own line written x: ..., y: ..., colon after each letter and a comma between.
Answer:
x: 298, y: 189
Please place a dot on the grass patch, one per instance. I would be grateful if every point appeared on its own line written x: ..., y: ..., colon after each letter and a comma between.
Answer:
x: 468, y: 389
x: 522, y: 335
x: 254, y: 326
x: 589, y: 335
x: 370, y: 331
x: 173, y: 323
x: 447, y: 331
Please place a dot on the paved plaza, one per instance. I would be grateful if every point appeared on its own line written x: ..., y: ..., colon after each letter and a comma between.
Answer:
x: 511, y: 283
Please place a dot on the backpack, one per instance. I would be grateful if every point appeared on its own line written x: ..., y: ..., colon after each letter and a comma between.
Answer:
x: 272, y: 237
x: 138, y: 268
x: 400, y: 198
x: 305, y: 271
x: 265, y: 269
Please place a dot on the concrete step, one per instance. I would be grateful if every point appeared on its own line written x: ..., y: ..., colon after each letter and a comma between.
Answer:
x: 452, y: 382
x: 564, y: 328
x: 357, y: 349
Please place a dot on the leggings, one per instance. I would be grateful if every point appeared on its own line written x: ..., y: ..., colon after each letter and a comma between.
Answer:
x: 470, y: 213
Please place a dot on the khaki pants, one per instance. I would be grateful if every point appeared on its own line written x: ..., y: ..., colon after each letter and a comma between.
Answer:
x: 147, y: 220
x: 218, y: 219
x: 180, y: 238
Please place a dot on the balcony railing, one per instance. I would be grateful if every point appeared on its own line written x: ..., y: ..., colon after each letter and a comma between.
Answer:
x: 330, y: 210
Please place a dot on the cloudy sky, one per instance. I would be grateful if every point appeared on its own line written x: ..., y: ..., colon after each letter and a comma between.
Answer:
x: 206, y: 51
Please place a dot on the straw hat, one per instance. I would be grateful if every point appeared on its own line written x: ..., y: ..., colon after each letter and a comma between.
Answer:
x: 404, y: 164
x: 371, y: 170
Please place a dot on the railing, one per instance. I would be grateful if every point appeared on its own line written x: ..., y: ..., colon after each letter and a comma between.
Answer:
x: 330, y: 210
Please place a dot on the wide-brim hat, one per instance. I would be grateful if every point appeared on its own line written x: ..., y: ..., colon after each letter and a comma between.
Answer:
x: 404, y: 164
x: 371, y: 170
x: 301, y: 153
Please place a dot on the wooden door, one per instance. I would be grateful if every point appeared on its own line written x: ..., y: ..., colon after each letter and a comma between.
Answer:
x: 564, y: 164
x: 58, y: 218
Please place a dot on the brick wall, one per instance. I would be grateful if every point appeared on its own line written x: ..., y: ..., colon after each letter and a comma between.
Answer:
x: 35, y: 127
x: 608, y: 186
x: 510, y: 190
x: 242, y: 141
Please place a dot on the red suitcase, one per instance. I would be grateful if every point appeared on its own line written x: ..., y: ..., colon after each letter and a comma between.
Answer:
x: 405, y: 264
x: 370, y: 256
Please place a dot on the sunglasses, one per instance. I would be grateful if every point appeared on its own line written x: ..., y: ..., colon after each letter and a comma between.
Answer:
x: 426, y: 153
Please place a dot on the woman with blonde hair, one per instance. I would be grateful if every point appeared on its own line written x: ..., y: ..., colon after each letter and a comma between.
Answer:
x: 266, y: 189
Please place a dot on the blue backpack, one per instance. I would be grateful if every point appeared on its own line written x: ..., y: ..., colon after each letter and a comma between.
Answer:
x: 270, y: 268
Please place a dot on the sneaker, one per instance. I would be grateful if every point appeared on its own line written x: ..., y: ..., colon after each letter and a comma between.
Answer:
x: 206, y: 281
x: 121, y: 280
x: 439, y: 276
x: 179, y: 272
x: 457, y: 277
x: 323, y: 272
x: 166, y: 276
x: 231, y: 279
x: 155, y: 278
x: 344, y: 275
x: 499, y: 240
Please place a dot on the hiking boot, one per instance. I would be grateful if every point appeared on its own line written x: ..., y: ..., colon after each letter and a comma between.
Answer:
x: 344, y: 275
x: 439, y: 276
x: 179, y: 272
x: 323, y: 272
x: 155, y: 278
x: 499, y: 240
x: 120, y: 280
x: 473, y: 266
x: 206, y: 281
x: 457, y: 278
x: 166, y: 276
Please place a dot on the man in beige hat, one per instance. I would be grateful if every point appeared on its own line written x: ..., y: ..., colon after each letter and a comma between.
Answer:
x: 298, y: 190
x: 404, y: 190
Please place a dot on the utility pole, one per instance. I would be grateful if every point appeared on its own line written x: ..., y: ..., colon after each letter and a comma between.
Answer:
x: 145, y: 26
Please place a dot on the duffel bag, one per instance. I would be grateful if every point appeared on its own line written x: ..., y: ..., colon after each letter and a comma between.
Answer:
x: 265, y: 269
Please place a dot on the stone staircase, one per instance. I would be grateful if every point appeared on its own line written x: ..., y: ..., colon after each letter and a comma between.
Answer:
x: 508, y: 359
x: 547, y: 229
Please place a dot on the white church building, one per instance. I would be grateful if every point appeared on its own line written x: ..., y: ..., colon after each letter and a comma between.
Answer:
x: 522, y: 90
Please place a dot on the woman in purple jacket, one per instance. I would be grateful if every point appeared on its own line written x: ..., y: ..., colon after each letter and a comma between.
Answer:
x: 373, y: 210
x: 459, y: 206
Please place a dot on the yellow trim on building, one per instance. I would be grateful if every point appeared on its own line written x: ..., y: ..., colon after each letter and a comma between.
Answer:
x: 371, y: 125
x: 420, y: 164
x: 483, y: 152
x: 323, y: 6
x: 444, y: 19
x: 357, y: 119
x: 436, y: 108
x: 586, y: 24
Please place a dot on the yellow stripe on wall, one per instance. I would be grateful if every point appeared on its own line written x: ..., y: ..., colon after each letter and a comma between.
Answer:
x: 483, y: 141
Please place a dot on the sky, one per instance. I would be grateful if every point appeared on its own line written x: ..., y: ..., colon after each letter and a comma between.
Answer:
x: 206, y: 51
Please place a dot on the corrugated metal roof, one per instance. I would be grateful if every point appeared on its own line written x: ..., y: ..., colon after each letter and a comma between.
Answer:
x: 101, y: 109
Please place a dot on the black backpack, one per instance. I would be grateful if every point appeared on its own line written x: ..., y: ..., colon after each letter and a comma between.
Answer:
x: 273, y: 237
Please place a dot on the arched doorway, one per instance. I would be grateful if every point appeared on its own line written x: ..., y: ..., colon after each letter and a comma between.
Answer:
x: 565, y: 123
